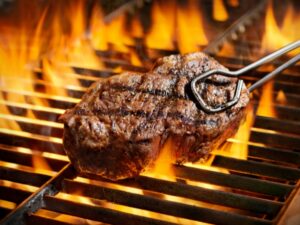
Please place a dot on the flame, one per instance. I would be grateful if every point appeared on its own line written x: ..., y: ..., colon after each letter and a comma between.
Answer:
x: 162, y: 29
x: 171, y: 23
x: 39, y: 162
x: 43, y: 38
x: 69, y: 48
x: 98, y: 34
x: 266, y: 106
x: 281, y: 98
x: 114, y: 33
x: 17, y: 51
x: 219, y: 11
x: 57, y: 74
x: 163, y: 165
x: 190, y: 30
x: 237, y: 146
x: 285, y: 34
x: 134, y: 58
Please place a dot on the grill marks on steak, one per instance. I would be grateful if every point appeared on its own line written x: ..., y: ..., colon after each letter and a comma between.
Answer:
x: 122, y: 122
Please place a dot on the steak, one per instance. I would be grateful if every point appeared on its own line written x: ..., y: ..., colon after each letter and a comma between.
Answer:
x: 122, y: 122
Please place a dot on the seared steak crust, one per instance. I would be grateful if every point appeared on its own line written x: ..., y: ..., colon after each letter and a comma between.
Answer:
x: 122, y: 122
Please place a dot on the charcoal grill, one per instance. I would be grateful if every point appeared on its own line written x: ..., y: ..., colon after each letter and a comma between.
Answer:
x: 262, y: 190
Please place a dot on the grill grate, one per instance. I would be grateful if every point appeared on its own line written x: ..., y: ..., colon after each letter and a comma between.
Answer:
x: 256, y: 191
x: 257, y: 186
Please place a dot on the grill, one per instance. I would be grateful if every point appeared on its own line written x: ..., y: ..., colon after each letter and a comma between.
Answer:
x: 39, y: 186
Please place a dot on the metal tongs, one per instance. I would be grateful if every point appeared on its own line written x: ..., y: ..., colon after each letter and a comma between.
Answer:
x: 239, y: 72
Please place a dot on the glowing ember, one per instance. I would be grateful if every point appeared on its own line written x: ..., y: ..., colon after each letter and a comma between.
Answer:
x: 233, y: 3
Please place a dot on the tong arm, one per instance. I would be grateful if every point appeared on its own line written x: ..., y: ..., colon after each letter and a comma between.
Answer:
x: 239, y: 72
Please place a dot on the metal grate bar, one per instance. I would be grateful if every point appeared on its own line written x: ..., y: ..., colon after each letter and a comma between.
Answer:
x: 274, y: 154
x: 4, y: 211
x: 35, y: 200
x: 13, y: 195
x: 143, y: 201
x: 233, y: 181
x: 258, y: 168
x: 93, y: 72
x: 28, y: 140
x: 207, y: 195
x: 36, y: 219
x: 23, y: 177
x: 276, y: 124
x: 276, y: 140
x: 287, y: 113
x: 114, y: 217
x: 98, y: 213
x: 12, y: 154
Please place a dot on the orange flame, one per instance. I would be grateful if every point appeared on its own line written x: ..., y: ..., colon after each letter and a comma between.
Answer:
x: 285, y: 34
x: 219, y: 11
x: 115, y: 33
x: 163, y: 165
x: 39, y: 162
x: 281, y: 98
x: 266, y: 106
x: 163, y: 24
x: 190, y: 30
x: 237, y: 147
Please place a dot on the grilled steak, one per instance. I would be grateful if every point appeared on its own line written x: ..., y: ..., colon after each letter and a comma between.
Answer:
x: 122, y: 122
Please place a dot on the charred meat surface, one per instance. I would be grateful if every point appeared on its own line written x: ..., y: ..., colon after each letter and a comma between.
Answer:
x: 122, y: 122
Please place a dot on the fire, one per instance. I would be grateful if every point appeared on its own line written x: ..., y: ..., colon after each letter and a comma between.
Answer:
x: 219, y: 11
x: 163, y: 165
x: 39, y: 162
x: 281, y: 98
x: 190, y: 21
x: 15, y: 57
x: 238, y: 145
x: 113, y: 34
x: 171, y: 26
x: 266, y: 105
x: 57, y: 74
x: 285, y: 34
x: 162, y: 29
x: 42, y: 40
x: 98, y: 35
x: 172, y: 22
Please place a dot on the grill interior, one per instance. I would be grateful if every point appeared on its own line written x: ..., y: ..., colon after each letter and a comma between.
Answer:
x: 257, y: 190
